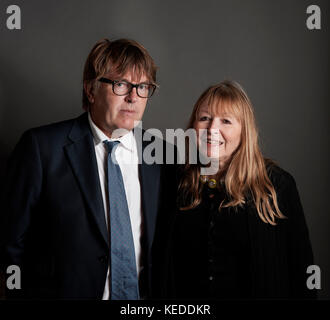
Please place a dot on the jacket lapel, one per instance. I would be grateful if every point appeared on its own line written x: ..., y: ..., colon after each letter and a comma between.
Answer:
x: 81, y: 155
x: 150, y: 176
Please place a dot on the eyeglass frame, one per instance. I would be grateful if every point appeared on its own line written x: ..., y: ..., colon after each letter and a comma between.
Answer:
x: 113, y: 82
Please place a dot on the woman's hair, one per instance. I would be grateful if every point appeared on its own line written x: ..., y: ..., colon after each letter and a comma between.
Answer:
x: 245, y: 174
x: 117, y: 57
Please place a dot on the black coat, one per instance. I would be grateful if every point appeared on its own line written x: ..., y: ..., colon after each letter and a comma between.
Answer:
x: 53, y: 217
x: 233, y: 254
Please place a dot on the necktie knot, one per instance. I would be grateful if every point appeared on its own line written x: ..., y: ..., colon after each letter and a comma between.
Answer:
x: 111, y: 145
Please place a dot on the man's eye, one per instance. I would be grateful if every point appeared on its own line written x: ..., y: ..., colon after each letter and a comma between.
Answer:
x: 143, y: 86
x: 121, y: 84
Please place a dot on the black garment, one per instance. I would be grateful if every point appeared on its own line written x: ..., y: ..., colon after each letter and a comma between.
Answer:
x: 215, y: 254
x: 52, y: 219
x: 233, y: 254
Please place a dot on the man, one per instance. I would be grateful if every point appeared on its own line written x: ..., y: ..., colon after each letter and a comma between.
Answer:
x: 80, y: 211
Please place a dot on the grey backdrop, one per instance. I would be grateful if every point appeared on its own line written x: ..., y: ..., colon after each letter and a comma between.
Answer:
x: 264, y: 45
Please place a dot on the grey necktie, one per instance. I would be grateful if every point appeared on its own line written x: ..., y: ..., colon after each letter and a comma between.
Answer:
x: 123, y: 273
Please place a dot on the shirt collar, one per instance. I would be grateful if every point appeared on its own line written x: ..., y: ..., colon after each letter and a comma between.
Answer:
x: 127, y: 140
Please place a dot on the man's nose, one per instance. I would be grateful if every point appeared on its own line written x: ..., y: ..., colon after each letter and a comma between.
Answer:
x: 132, y: 96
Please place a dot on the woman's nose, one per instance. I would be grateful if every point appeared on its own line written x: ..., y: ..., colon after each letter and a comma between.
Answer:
x: 214, y: 126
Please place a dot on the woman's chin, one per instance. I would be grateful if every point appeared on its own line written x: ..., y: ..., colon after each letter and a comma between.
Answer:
x: 213, y: 154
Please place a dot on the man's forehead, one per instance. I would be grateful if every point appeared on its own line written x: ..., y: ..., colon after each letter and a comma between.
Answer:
x: 131, y: 75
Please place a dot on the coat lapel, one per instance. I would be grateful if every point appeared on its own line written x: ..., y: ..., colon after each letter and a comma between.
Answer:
x: 81, y: 155
x: 150, y: 176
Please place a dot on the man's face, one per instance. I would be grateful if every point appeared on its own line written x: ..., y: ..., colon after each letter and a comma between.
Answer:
x: 110, y: 111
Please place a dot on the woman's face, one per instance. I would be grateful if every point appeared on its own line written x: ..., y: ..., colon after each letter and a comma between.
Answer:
x: 222, y: 134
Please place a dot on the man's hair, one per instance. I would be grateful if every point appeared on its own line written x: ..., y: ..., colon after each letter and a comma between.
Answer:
x: 117, y: 57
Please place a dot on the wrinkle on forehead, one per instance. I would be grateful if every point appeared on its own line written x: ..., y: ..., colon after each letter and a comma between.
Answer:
x: 136, y: 71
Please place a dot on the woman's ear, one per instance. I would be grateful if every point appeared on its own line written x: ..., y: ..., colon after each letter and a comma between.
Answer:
x: 89, y: 90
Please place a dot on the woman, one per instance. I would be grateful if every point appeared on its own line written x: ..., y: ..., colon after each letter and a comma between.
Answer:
x: 241, y: 232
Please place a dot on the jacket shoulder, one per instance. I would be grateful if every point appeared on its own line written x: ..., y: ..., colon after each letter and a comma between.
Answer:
x: 279, y: 177
x: 51, y: 129
x: 56, y: 132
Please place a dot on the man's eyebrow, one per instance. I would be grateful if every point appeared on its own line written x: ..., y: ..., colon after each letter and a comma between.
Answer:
x: 124, y: 79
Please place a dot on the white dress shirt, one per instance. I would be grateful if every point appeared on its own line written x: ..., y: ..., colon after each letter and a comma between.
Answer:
x: 127, y: 157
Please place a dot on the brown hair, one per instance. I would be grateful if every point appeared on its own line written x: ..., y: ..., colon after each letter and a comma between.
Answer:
x: 117, y: 57
x: 245, y: 173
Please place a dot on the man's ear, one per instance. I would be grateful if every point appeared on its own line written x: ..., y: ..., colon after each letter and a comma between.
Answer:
x: 89, y: 90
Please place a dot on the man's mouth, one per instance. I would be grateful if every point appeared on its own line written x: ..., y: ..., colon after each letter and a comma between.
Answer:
x: 127, y: 111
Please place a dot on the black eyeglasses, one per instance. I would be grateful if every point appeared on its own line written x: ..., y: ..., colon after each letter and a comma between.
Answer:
x: 122, y: 87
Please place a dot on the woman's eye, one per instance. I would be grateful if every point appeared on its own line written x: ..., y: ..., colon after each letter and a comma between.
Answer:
x: 204, y: 118
x: 226, y: 121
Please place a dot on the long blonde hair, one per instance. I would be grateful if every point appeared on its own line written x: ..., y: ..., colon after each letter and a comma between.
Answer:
x: 245, y: 174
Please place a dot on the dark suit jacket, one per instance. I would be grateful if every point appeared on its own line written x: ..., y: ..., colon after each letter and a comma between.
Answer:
x: 54, y: 220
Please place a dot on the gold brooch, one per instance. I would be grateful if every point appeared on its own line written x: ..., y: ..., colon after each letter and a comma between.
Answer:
x: 212, y: 183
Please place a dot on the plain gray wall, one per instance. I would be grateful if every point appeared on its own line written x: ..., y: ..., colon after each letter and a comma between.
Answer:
x: 264, y: 45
